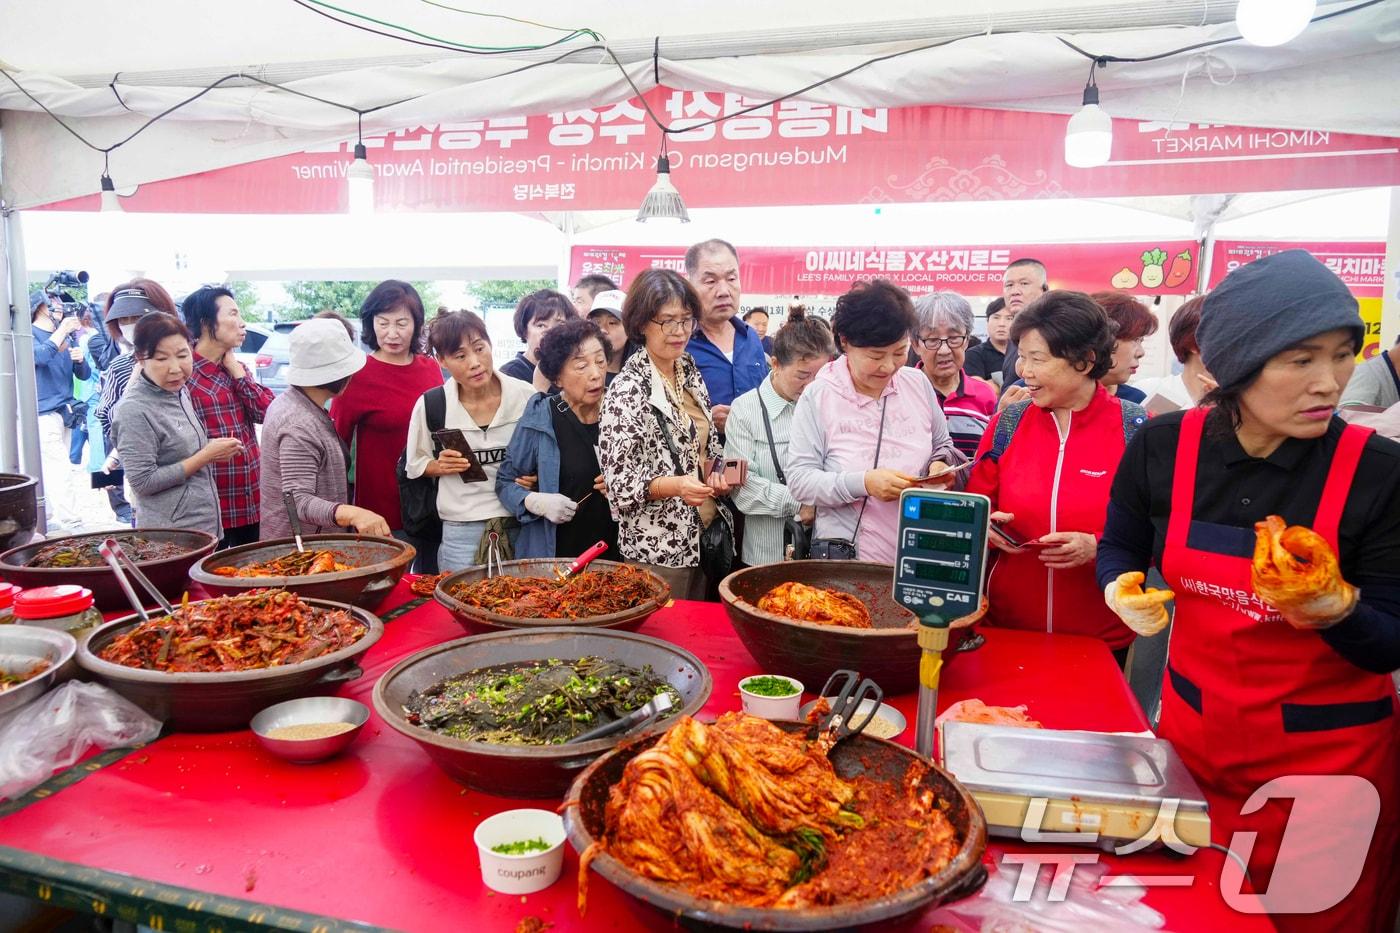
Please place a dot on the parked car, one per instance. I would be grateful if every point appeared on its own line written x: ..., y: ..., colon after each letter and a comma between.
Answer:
x: 255, y: 338
x: 273, y: 351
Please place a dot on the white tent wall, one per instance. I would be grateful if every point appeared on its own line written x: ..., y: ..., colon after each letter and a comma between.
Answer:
x: 1337, y: 76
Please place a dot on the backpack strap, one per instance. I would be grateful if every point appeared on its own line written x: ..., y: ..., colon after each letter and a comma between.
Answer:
x: 435, y: 408
x: 1134, y: 417
x: 1006, y: 427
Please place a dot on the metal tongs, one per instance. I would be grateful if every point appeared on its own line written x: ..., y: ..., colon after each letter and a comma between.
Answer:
x: 654, y: 709
x: 122, y: 564
x: 840, y: 722
x: 493, y: 553
x: 290, y: 501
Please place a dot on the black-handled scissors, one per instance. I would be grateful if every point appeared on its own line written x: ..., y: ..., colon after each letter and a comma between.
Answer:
x: 845, y: 705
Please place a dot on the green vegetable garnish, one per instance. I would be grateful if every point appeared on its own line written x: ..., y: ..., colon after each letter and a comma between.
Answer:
x: 766, y: 686
x: 523, y: 847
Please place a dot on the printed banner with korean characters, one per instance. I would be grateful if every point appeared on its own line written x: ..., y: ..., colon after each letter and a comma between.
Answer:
x: 795, y: 152
x: 1361, y: 265
x: 1163, y: 267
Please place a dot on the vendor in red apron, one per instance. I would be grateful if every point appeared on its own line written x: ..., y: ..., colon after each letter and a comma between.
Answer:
x: 1283, y: 641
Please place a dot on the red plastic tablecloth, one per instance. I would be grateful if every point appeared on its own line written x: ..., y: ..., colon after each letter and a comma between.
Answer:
x: 380, y: 835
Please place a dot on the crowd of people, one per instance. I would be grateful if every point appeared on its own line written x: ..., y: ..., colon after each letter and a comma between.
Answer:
x: 687, y: 437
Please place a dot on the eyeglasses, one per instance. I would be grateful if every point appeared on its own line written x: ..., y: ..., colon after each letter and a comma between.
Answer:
x: 676, y: 325
x: 933, y: 343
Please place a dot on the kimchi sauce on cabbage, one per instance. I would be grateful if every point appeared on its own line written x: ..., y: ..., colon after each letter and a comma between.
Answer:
x: 749, y: 814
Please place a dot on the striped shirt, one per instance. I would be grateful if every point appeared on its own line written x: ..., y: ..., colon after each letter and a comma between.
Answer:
x: 968, y: 408
x: 765, y: 502
x: 115, y: 379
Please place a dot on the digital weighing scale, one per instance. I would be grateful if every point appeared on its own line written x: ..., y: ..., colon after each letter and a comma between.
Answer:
x: 942, y: 549
x: 1111, y: 789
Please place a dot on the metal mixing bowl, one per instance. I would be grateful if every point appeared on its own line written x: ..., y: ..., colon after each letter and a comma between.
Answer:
x: 376, y: 565
x: 526, y: 770
x: 476, y: 620
x: 305, y: 711
x: 171, y: 576
x: 23, y: 646
x: 224, y: 701
x: 860, y: 754
x: 888, y: 653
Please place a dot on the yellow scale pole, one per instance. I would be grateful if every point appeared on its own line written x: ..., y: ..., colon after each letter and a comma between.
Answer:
x: 933, y: 640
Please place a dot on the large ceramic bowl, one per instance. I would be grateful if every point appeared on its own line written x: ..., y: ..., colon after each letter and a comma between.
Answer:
x: 523, y: 770
x: 475, y: 619
x: 860, y: 754
x: 376, y: 564
x: 19, y: 509
x: 21, y: 648
x: 171, y: 576
x: 224, y: 701
x: 888, y: 653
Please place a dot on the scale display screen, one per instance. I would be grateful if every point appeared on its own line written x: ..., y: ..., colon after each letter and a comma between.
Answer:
x: 942, y: 552
x: 940, y: 573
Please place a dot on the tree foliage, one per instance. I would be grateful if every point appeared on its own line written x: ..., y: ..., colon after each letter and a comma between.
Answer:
x: 247, y: 297
x: 504, y: 293
x: 310, y: 297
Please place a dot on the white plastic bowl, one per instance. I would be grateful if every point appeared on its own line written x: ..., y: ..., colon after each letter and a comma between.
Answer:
x: 766, y: 707
x: 520, y: 874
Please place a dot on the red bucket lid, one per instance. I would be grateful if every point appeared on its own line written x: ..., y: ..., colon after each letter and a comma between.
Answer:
x: 8, y: 592
x: 50, y: 602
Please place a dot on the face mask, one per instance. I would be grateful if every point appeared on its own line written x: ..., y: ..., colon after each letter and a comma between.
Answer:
x: 128, y: 331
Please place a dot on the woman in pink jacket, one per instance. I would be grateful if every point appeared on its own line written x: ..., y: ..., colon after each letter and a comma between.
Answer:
x: 1047, y: 464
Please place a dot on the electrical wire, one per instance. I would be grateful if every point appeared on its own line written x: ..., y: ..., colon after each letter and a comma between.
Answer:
x: 512, y: 19
x: 321, y: 6
x: 1095, y: 61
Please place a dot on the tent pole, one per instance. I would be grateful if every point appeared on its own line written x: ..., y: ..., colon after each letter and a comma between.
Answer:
x: 9, y: 309
x: 26, y: 393
x: 566, y: 226
x: 1390, y: 285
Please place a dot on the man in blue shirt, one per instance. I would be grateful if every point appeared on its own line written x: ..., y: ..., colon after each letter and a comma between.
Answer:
x: 728, y: 351
x: 57, y: 358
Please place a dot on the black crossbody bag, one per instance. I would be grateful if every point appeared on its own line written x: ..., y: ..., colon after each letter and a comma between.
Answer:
x: 716, y: 539
x: 797, y: 537
x: 845, y: 548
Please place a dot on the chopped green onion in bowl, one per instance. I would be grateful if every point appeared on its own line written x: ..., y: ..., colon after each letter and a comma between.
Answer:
x: 768, y: 686
x: 523, y: 847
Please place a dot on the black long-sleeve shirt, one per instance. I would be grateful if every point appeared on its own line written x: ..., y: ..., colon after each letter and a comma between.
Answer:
x: 1234, y: 490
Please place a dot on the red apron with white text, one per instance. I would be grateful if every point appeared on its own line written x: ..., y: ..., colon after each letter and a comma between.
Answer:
x: 1248, y: 698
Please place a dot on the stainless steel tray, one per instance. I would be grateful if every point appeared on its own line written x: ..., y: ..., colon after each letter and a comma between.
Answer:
x: 1090, y: 766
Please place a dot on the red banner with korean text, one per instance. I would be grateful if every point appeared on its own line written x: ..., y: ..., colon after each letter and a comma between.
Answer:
x: 790, y: 153
x: 1165, y: 267
x: 1361, y: 265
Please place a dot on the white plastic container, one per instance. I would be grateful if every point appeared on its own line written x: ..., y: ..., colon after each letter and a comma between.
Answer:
x: 766, y: 707
x: 520, y: 874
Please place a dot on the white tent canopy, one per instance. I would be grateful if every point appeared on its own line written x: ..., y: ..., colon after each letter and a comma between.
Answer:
x: 1339, y: 75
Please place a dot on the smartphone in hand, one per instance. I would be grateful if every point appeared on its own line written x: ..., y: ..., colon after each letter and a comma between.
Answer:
x: 454, y: 439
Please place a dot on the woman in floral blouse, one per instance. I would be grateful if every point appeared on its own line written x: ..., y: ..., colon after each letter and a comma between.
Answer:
x: 657, y: 435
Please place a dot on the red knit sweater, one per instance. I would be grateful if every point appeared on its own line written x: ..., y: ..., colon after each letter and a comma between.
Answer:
x: 374, y: 410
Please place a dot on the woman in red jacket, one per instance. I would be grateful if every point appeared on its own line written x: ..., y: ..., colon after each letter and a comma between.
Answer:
x: 1047, y: 464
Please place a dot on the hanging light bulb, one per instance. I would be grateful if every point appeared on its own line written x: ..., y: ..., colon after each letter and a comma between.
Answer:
x: 1273, y: 22
x: 360, y: 177
x: 110, y: 203
x: 1089, y: 135
x: 663, y: 202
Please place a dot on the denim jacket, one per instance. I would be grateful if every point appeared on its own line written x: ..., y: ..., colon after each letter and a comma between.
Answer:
x: 532, y: 449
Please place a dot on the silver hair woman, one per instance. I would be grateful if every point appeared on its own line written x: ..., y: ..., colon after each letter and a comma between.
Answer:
x: 940, y: 339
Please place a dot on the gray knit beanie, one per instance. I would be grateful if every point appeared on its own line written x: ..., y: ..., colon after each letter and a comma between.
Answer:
x: 1267, y: 306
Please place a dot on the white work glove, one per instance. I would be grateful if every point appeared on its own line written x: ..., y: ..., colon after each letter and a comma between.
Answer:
x: 551, y: 506
x: 1143, y: 612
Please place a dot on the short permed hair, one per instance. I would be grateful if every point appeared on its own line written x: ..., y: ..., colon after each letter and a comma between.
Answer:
x: 876, y: 313
x: 448, y: 331
x: 151, y: 329
x: 545, y: 303
x: 387, y: 296
x: 563, y: 341
x: 1182, y: 329
x: 1131, y: 318
x: 1073, y: 325
x: 651, y: 291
